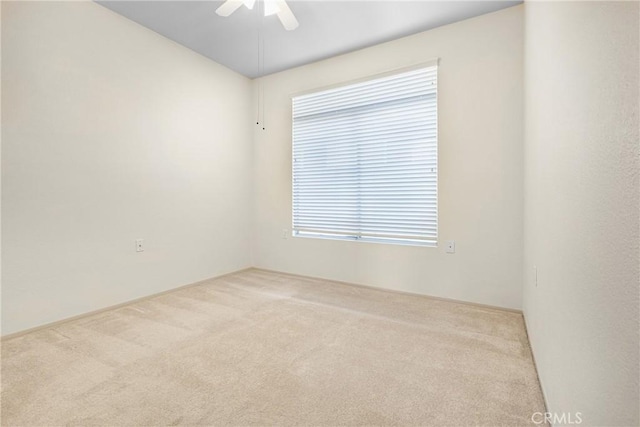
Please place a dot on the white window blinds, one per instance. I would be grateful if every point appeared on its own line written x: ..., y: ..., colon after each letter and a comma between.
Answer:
x: 365, y: 160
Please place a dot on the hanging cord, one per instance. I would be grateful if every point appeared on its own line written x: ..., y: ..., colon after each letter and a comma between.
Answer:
x: 259, y: 66
x: 264, y: 120
x: 260, y: 95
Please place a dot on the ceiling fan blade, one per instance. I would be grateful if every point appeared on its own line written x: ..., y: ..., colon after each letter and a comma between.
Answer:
x: 229, y: 7
x: 287, y: 18
x: 271, y: 7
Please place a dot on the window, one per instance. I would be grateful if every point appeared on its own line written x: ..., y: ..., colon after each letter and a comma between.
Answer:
x: 365, y: 160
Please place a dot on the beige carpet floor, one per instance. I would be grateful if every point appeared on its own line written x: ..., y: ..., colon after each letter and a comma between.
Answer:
x: 260, y: 348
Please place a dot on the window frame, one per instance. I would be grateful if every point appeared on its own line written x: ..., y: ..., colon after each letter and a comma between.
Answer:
x: 370, y: 238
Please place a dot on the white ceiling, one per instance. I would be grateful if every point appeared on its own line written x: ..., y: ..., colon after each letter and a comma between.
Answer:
x: 327, y: 28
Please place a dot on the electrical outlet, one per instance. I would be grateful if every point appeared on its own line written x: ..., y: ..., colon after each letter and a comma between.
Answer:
x: 451, y: 246
x: 285, y: 233
x: 139, y: 245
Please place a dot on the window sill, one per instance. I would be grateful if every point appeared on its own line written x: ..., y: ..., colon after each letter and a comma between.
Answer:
x: 378, y: 240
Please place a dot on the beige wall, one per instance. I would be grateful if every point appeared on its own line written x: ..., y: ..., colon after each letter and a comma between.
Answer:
x: 111, y: 132
x: 0, y: 170
x: 581, y: 206
x: 480, y: 181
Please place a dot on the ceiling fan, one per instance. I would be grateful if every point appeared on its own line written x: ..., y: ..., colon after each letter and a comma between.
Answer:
x: 271, y: 7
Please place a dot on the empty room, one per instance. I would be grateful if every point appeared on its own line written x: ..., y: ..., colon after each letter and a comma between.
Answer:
x: 320, y: 213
